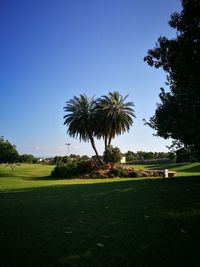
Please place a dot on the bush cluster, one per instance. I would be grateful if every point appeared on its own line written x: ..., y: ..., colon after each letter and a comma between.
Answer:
x: 116, y: 172
x: 119, y: 172
x: 112, y: 154
x: 133, y: 174
x: 72, y: 169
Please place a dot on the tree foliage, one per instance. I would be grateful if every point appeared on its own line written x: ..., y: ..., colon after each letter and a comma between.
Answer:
x: 177, y: 116
x: 27, y: 158
x: 81, y: 119
x: 59, y: 160
x: 149, y: 155
x: 73, y: 169
x: 89, y: 118
x: 185, y: 155
x: 116, y: 116
x: 8, y: 152
x: 112, y: 154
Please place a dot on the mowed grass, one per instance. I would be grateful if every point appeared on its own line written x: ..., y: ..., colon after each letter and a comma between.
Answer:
x: 182, y: 169
x: 102, y: 222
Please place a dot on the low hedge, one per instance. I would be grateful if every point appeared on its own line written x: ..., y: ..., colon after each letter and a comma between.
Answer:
x: 73, y: 169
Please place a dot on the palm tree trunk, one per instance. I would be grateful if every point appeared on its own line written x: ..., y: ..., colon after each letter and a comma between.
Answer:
x: 95, y: 150
x: 106, y: 141
x: 110, y: 139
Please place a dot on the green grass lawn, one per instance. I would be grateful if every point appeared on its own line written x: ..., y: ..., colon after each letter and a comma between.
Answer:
x: 102, y: 222
x: 182, y: 169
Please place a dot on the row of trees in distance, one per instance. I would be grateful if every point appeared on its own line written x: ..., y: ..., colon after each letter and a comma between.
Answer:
x: 10, y: 155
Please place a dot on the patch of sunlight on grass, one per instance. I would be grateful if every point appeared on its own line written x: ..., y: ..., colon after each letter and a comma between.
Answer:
x: 182, y: 169
x: 74, y: 257
x: 181, y: 214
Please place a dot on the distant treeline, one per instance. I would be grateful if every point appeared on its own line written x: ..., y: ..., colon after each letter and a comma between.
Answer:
x: 181, y: 155
x: 148, y: 156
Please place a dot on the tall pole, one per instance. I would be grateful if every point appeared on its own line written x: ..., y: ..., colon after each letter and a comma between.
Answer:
x: 67, y: 144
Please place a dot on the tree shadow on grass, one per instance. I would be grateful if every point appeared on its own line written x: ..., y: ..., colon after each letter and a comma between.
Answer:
x: 192, y: 169
x: 167, y: 166
x: 63, y: 222
x: 188, y: 167
x: 42, y: 178
x: 11, y: 174
x: 50, y: 178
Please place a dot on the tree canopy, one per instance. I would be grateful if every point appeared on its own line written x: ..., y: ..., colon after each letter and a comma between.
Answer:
x: 28, y: 158
x: 116, y: 116
x: 177, y: 116
x: 8, y: 152
x: 112, y: 154
x: 81, y: 119
x: 104, y: 117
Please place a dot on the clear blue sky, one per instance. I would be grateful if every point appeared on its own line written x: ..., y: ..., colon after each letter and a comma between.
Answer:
x: 51, y: 50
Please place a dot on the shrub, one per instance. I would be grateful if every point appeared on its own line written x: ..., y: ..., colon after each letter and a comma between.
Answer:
x: 73, y: 169
x: 172, y: 156
x: 111, y: 175
x: 114, y: 172
x: 86, y: 166
x: 117, y: 172
x: 133, y: 174
x: 123, y: 173
x: 64, y: 171
x: 112, y: 155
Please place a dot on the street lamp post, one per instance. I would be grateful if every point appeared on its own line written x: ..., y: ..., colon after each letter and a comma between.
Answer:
x: 67, y: 144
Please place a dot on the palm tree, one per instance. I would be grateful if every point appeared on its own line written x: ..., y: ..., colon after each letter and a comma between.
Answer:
x: 81, y: 119
x: 115, y: 116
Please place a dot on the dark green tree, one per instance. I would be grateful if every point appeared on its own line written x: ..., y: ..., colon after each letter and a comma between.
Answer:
x: 130, y: 155
x: 81, y: 119
x: 112, y: 154
x: 26, y: 158
x: 105, y: 118
x: 172, y: 156
x: 8, y: 153
x: 185, y: 155
x: 177, y: 116
x: 58, y: 160
x: 66, y: 159
x: 75, y: 157
x: 84, y: 157
x: 115, y: 116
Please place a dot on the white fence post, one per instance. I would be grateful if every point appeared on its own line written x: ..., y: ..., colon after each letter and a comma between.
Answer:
x: 166, y: 173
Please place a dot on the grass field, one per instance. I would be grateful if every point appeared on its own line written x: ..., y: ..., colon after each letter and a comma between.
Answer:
x: 102, y: 222
x: 182, y: 169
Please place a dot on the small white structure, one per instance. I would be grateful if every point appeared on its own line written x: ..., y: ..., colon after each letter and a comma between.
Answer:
x: 123, y: 160
x: 166, y: 173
